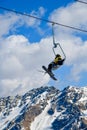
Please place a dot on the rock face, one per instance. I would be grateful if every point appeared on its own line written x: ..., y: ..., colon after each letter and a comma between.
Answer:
x: 45, y: 108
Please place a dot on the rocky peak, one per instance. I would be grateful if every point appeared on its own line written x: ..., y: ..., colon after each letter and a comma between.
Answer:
x: 62, y: 110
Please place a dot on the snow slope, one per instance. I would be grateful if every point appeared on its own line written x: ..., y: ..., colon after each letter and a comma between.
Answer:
x: 44, y: 120
x: 45, y: 108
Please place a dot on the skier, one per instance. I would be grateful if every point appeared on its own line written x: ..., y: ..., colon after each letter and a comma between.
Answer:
x: 58, y: 61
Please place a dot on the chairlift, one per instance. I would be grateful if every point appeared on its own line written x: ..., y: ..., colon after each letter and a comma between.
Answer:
x: 56, y: 45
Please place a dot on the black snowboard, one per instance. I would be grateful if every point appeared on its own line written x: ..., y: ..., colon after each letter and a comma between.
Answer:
x: 50, y: 74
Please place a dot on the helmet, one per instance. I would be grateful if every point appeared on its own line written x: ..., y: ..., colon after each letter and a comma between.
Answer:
x: 58, y: 55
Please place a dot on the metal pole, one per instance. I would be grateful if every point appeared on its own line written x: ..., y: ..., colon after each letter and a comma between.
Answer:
x: 53, y: 39
x: 56, y: 44
x: 62, y: 50
x: 53, y: 36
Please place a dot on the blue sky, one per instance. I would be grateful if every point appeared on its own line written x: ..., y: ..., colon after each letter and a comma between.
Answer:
x: 26, y: 44
x: 28, y: 6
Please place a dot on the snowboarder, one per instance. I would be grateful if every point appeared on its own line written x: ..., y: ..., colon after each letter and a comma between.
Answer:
x: 58, y: 61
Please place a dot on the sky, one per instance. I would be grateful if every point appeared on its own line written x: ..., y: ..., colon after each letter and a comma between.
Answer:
x: 26, y: 44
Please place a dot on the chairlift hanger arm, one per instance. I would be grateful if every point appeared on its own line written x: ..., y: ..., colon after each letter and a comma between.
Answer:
x: 62, y: 50
x: 56, y: 44
x: 53, y: 34
x: 54, y: 51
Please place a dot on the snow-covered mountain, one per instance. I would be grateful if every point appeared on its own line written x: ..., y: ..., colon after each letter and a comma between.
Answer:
x: 45, y: 108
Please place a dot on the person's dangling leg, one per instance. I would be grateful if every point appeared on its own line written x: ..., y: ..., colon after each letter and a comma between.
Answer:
x: 50, y: 67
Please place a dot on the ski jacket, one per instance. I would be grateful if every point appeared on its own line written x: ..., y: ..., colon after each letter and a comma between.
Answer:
x: 57, y: 59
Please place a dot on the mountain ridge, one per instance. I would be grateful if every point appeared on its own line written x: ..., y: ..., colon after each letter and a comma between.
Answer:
x: 45, y: 108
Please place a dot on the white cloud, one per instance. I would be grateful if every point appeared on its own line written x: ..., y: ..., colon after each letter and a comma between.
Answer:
x: 29, y: 21
x: 7, y: 21
x: 20, y: 60
x: 74, y: 15
x: 75, y: 48
x: 11, y: 21
x: 42, y: 11
x: 76, y: 52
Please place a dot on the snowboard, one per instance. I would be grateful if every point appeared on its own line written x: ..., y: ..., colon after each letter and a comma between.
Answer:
x: 50, y: 74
